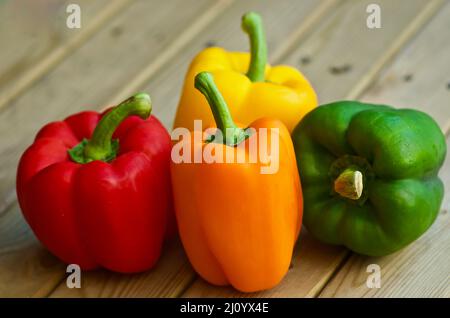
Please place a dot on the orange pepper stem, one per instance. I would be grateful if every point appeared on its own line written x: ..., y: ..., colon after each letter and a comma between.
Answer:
x: 231, y: 134
x: 252, y: 25
x: 101, y: 146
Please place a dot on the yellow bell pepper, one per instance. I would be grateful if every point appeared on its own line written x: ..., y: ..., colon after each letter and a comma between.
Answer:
x: 252, y: 88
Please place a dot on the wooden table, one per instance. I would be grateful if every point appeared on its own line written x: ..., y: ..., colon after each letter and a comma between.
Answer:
x: 48, y: 71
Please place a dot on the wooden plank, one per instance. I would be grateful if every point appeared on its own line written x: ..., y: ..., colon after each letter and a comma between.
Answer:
x: 344, y: 32
x: 26, y: 268
x: 82, y: 82
x: 38, y: 38
x: 343, y: 56
x: 167, y: 279
x: 420, y: 76
x: 418, y: 79
x: 225, y: 27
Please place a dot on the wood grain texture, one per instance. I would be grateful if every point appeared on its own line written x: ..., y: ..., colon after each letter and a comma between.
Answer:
x: 314, y: 264
x: 167, y: 279
x: 417, y: 79
x: 175, y: 271
x: 420, y: 75
x: 342, y: 56
x: 82, y: 82
x: 26, y: 268
x: 37, y: 38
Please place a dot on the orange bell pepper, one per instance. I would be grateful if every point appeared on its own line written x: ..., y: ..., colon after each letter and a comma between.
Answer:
x: 238, y: 225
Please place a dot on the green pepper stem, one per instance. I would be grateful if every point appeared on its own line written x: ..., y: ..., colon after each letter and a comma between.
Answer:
x: 232, y: 135
x: 349, y: 184
x: 252, y: 25
x: 101, y: 146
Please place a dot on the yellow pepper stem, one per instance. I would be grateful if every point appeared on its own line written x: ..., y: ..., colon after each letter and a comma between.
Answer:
x: 231, y: 134
x: 349, y: 184
x: 252, y: 25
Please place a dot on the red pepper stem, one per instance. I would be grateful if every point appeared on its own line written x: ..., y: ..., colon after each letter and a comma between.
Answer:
x: 349, y: 184
x: 232, y: 135
x: 252, y: 25
x: 101, y: 146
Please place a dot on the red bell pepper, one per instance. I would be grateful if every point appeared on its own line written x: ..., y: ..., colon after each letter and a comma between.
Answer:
x: 102, y: 201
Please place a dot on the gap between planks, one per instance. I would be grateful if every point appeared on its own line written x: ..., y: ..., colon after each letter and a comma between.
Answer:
x: 171, y: 51
x: 425, y: 16
x: 47, y: 63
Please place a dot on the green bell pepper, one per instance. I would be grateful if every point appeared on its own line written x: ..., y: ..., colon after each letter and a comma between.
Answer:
x: 369, y: 175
